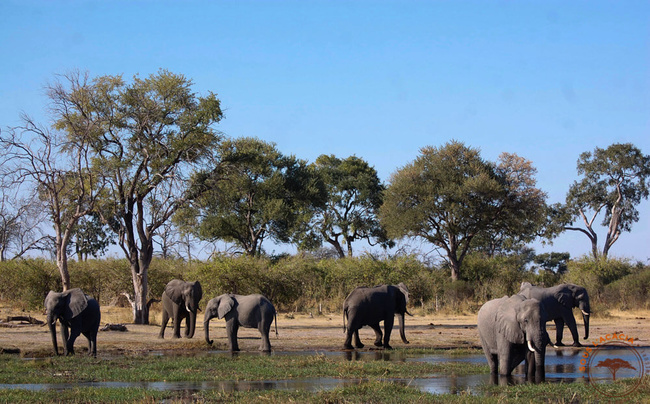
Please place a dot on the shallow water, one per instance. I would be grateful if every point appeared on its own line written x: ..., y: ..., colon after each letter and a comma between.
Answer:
x: 561, y: 366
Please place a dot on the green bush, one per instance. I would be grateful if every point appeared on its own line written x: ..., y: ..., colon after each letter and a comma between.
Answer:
x: 307, y: 284
x: 27, y: 282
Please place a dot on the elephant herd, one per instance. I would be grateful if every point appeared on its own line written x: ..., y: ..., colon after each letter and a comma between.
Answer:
x: 511, y: 329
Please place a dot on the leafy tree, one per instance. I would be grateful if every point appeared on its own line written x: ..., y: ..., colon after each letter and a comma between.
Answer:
x: 91, y: 237
x: 354, y: 196
x: 455, y: 200
x: 252, y: 192
x: 146, y: 136
x: 614, y: 181
x: 59, y: 169
x: 554, y: 262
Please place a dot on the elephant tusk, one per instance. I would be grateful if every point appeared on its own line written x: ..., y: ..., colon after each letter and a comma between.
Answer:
x: 584, y: 313
x: 187, y: 307
x: 530, y: 346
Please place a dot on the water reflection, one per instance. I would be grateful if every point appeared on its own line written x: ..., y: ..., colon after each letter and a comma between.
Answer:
x: 561, y: 366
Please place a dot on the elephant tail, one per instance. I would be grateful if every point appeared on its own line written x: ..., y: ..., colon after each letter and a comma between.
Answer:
x: 275, y: 317
x: 345, y: 314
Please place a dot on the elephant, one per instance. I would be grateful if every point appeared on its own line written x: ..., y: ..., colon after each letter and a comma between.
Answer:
x: 249, y: 311
x: 513, y: 329
x: 180, y: 300
x: 77, y: 312
x: 370, y: 306
x: 558, y: 302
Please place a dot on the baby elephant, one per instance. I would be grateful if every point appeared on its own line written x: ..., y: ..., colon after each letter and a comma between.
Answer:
x: 251, y: 311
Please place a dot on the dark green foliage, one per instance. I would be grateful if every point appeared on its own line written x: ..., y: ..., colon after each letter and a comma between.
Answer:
x: 459, y: 202
x: 252, y: 192
x: 306, y: 284
x: 354, y: 196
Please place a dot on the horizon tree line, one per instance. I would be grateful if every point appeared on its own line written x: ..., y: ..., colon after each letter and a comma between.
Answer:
x: 127, y: 162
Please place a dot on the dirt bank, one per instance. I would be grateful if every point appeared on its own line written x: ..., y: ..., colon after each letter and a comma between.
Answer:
x: 297, y: 332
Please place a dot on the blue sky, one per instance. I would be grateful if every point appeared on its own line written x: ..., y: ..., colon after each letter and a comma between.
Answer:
x: 546, y: 80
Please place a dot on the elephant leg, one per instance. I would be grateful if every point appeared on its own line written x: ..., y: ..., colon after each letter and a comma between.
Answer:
x: 504, y: 364
x: 573, y: 327
x: 92, y: 342
x: 348, y: 338
x: 357, y: 340
x: 530, y: 366
x: 188, y: 326
x: 231, y: 330
x: 388, y: 328
x: 177, y: 318
x: 264, y: 331
x: 559, y: 330
x: 74, y: 333
x: 378, y: 334
x: 65, y: 337
x: 165, y: 320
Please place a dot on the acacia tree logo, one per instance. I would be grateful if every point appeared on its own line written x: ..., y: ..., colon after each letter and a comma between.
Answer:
x: 614, y: 365
x: 615, y: 353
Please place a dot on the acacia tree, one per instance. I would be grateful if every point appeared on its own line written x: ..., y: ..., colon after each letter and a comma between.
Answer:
x: 522, y: 214
x: 354, y: 196
x: 148, y: 134
x: 252, y: 192
x: 451, y: 197
x: 614, y: 181
x: 59, y: 169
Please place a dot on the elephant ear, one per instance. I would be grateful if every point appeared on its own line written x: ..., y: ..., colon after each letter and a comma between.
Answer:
x: 565, y: 297
x: 78, y: 301
x: 225, y: 305
x: 507, y: 324
x: 198, y: 292
x: 525, y: 285
x: 174, y: 290
x: 51, y: 295
x: 402, y: 287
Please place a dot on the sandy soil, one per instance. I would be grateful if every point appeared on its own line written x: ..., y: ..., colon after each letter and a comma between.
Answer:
x: 296, y: 333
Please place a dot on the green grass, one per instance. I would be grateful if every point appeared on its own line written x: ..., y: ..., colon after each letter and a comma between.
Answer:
x: 214, y: 368
x: 371, y: 385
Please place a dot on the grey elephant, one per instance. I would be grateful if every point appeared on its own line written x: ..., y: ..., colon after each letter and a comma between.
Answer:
x: 248, y: 311
x: 558, y: 302
x: 370, y: 306
x: 78, y: 313
x: 513, y: 329
x: 180, y: 301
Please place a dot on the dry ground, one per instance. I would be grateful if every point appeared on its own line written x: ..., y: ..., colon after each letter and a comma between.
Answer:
x: 297, y: 332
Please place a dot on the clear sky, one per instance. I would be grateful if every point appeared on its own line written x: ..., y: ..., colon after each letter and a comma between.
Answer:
x: 546, y: 80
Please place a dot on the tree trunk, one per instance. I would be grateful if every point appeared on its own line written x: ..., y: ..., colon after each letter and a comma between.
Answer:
x: 62, y: 265
x: 141, y: 290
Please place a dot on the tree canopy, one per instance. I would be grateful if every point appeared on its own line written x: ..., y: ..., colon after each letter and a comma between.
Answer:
x: 354, y: 196
x: 614, y: 181
x: 452, y: 198
x: 145, y: 137
x: 252, y: 192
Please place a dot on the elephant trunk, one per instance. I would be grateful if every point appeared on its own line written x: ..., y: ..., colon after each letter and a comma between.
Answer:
x: 191, y: 324
x: 540, y: 371
x: 206, y: 327
x: 401, y: 328
x: 585, y: 318
x: 51, y: 322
